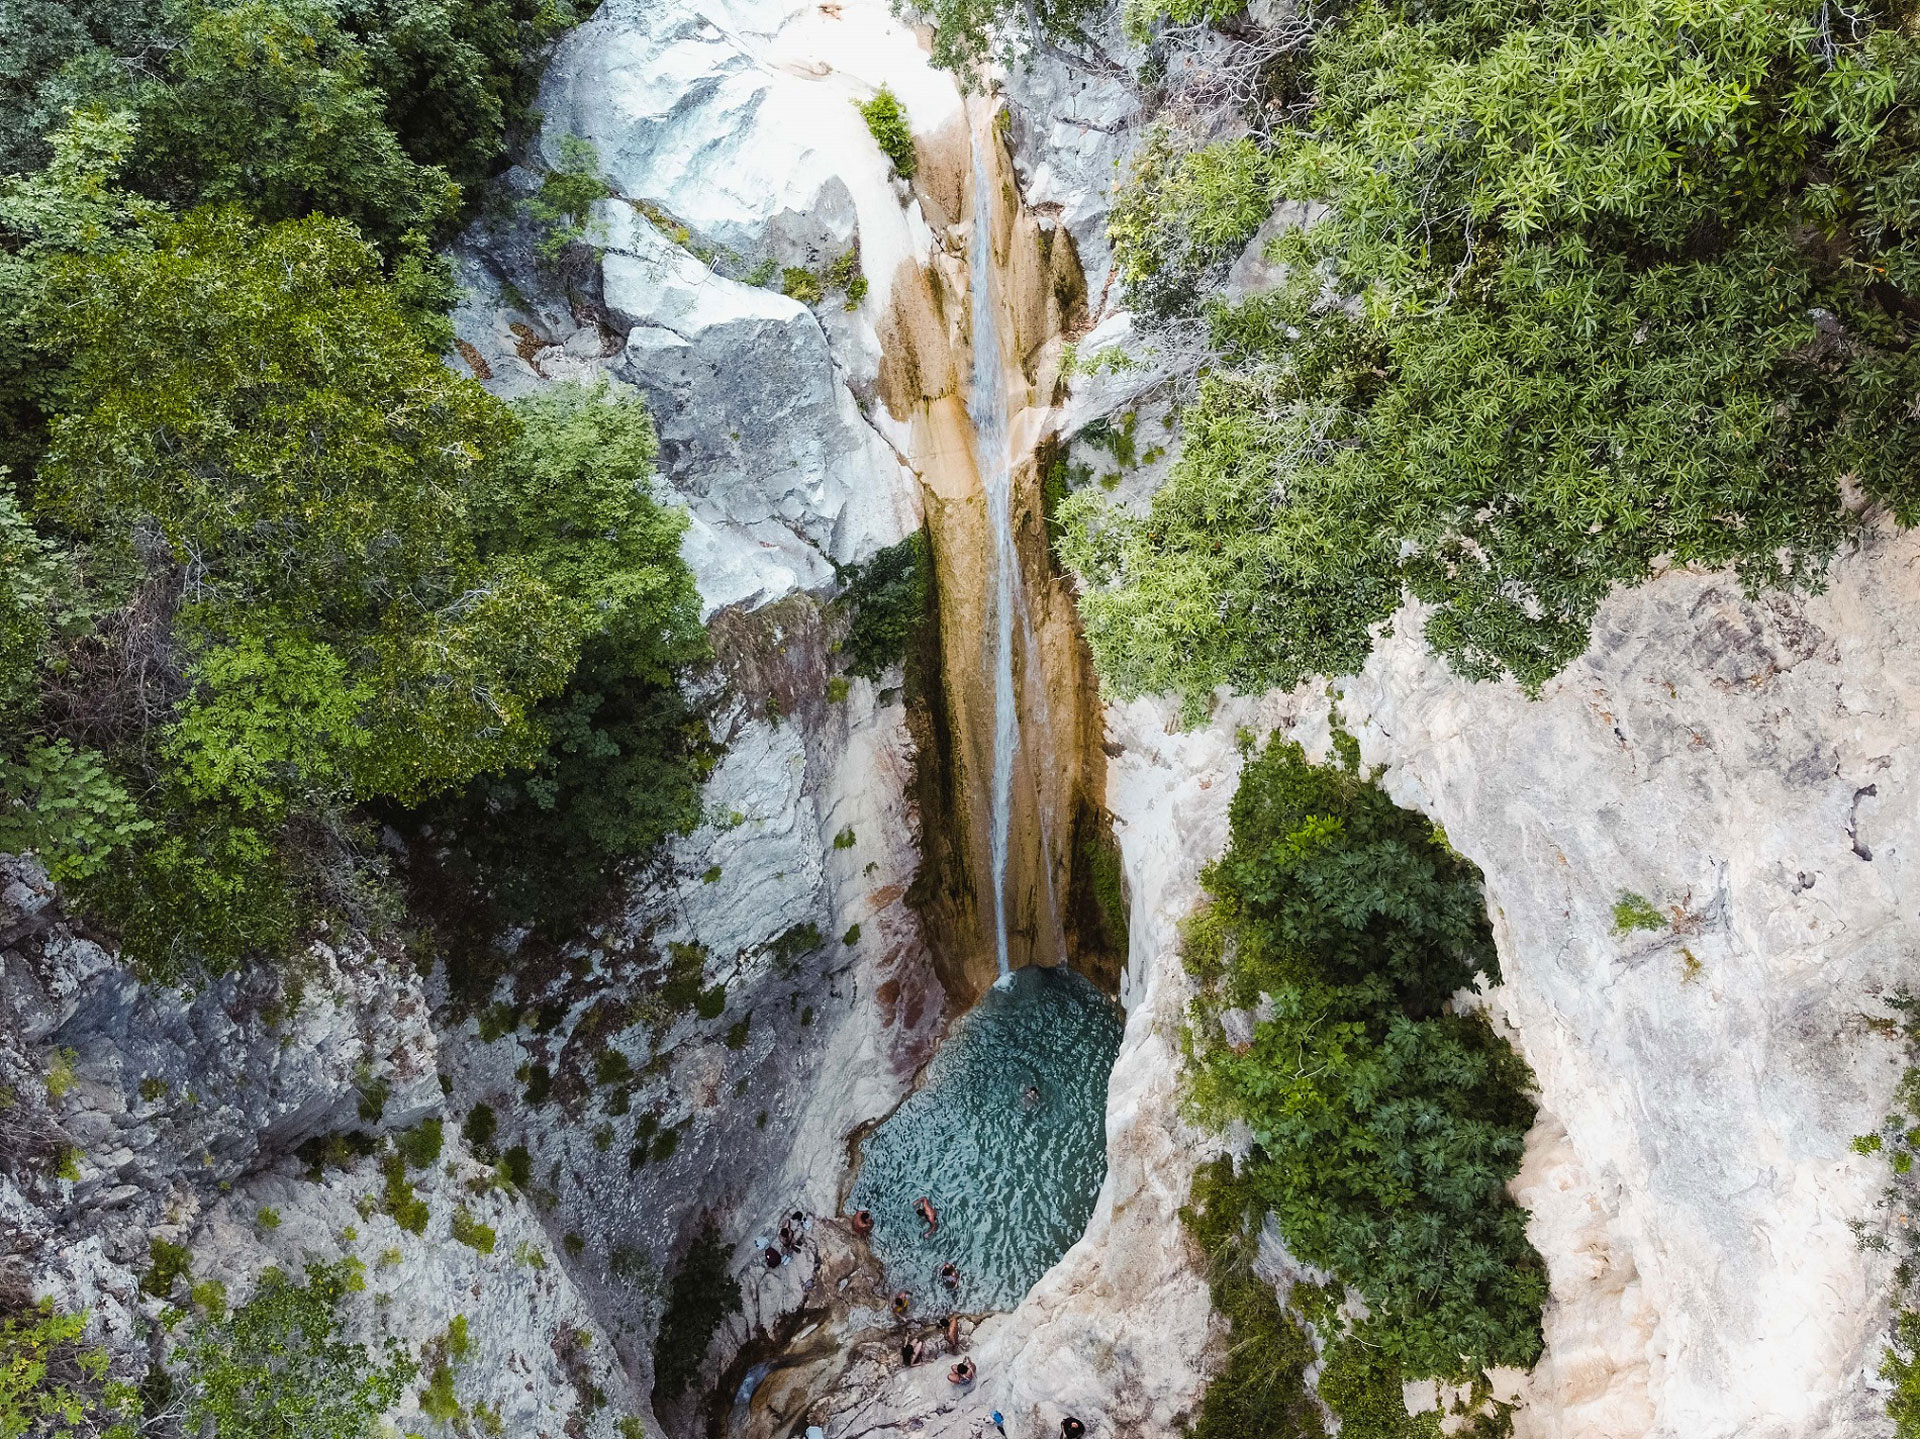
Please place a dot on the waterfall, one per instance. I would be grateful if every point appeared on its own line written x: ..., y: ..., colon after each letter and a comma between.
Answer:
x: 987, y: 408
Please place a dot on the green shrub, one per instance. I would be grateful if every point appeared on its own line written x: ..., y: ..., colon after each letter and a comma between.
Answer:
x: 274, y: 1367
x: 398, y: 1199
x: 52, y: 1384
x: 516, y: 1166
x: 738, y: 1031
x: 566, y: 195
x: 1585, y: 340
x: 969, y: 33
x: 471, y: 1232
x: 886, y: 118
x: 167, y: 1262
x: 793, y: 945
x: 1385, y: 1124
x: 1634, y: 911
x: 421, y: 1145
x: 888, y: 600
x: 1261, y: 1393
x: 802, y: 285
x: 700, y: 1298
x: 845, y: 838
x: 479, y: 1129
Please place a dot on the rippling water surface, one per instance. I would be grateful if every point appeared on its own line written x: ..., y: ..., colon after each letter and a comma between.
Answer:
x: 1014, y: 1178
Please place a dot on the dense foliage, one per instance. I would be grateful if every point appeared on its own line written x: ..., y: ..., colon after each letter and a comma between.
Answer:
x: 271, y: 567
x: 1260, y: 1393
x: 442, y: 83
x: 1385, y: 1124
x: 968, y: 34
x: 886, y: 118
x: 702, y: 1295
x: 275, y: 1369
x: 53, y: 1385
x: 1604, y: 285
x: 886, y: 601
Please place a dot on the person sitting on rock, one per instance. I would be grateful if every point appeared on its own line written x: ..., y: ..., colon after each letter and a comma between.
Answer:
x: 902, y: 1302
x: 953, y: 1332
x: 772, y: 1256
x: 863, y: 1221
x: 962, y: 1373
x: 923, y: 1207
x: 950, y: 1274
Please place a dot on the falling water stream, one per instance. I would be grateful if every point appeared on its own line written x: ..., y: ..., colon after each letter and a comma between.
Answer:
x: 1007, y: 1134
x: 987, y: 408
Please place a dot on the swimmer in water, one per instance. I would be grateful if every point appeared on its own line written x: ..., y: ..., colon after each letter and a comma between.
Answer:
x: 863, y: 1221
x: 902, y: 1302
x: 950, y: 1274
x: 923, y: 1207
x: 1031, y: 1097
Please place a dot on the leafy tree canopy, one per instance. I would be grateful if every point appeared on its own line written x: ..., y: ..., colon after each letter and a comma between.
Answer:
x: 274, y: 1368
x: 1603, y: 286
x: 1385, y: 1124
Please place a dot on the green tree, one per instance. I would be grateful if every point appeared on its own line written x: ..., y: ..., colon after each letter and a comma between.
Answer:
x: 270, y: 104
x: 457, y: 75
x: 1385, y: 1124
x: 618, y: 773
x: 1618, y: 286
x: 274, y: 1369
x: 305, y: 497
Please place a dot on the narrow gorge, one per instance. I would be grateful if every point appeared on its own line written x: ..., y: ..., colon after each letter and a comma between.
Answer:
x: 650, y: 635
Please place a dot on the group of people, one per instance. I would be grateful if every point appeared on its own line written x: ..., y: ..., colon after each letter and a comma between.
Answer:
x: 792, y: 1239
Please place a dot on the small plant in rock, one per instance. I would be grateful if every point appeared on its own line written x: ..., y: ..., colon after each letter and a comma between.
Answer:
x: 565, y: 197
x: 738, y: 1031
x: 802, y: 284
x: 844, y: 839
x: 471, y: 1232
x: 1634, y: 912
x: 421, y: 1145
x: 886, y: 119
x: 60, y: 1076
x: 268, y: 1217
x: 167, y: 1262
x: 398, y: 1200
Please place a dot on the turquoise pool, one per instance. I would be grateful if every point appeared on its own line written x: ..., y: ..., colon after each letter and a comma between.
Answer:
x: 1007, y: 1136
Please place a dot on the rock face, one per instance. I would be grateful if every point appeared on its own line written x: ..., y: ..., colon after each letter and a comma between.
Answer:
x: 1746, y: 765
x: 182, y: 1111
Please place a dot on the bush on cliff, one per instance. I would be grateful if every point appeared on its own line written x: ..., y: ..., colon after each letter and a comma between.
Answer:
x: 1385, y: 1124
x: 1601, y: 287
